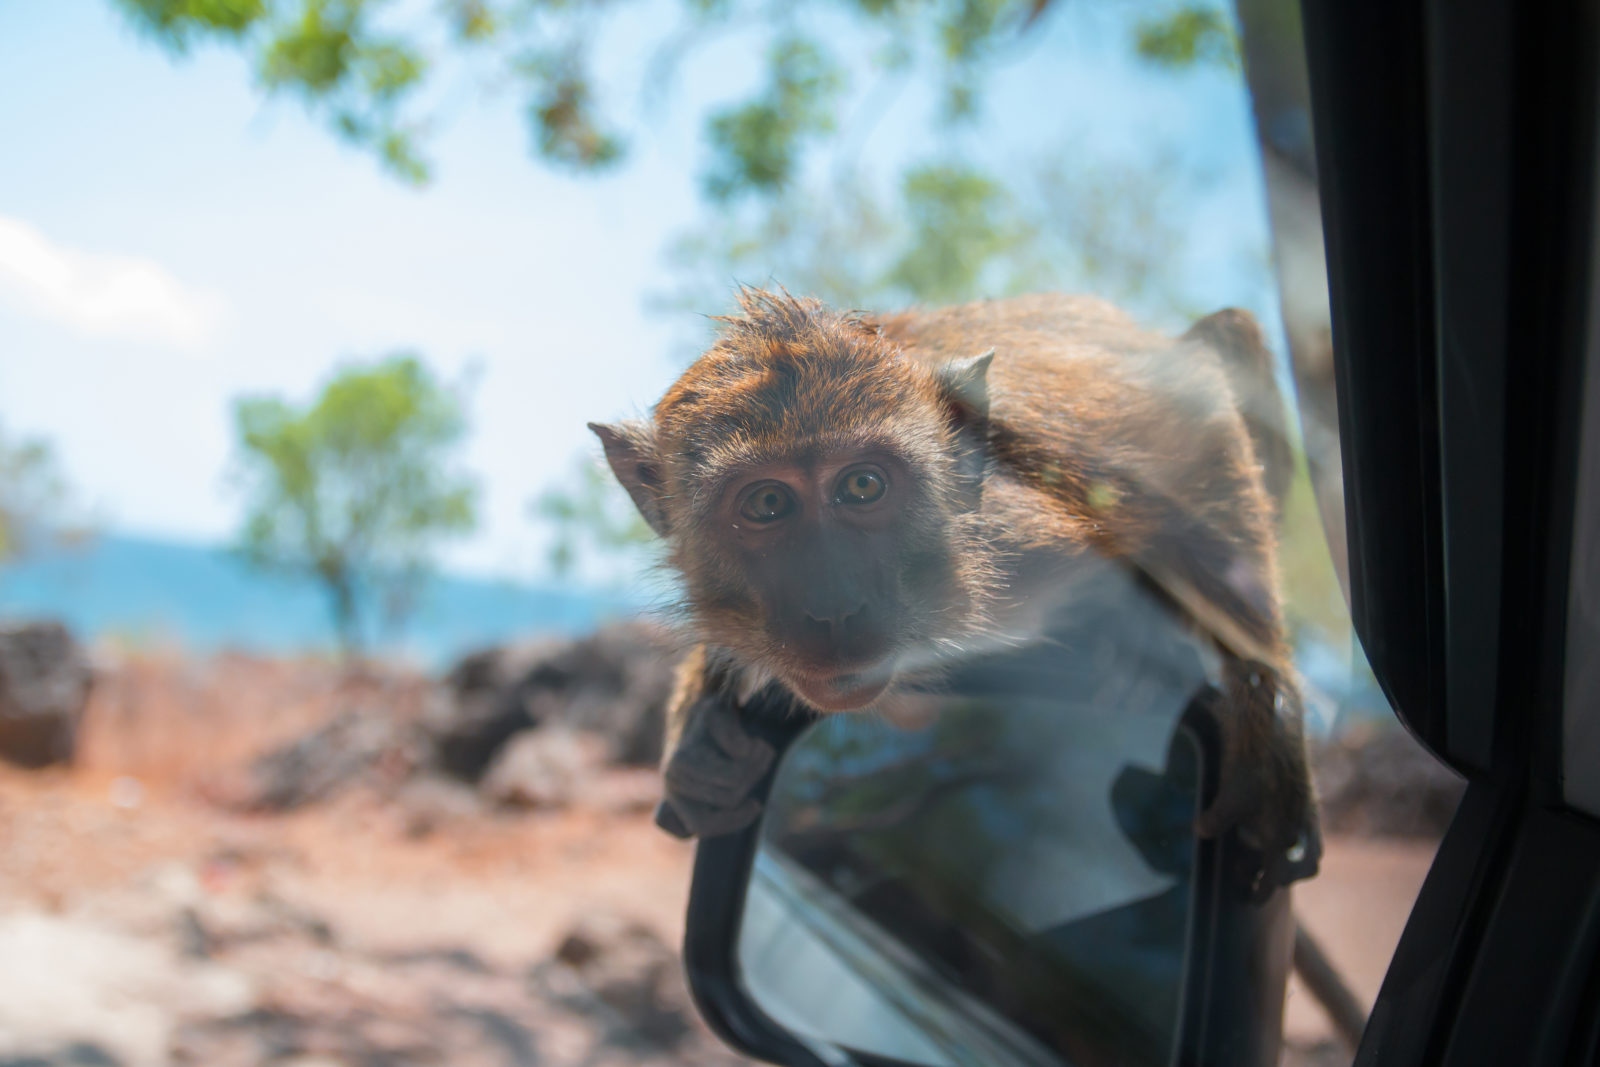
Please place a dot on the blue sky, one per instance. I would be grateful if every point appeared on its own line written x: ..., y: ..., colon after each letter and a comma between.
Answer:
x: 168, y: 241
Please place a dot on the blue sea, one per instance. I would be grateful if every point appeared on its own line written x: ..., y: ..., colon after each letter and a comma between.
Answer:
x: 143, y: 591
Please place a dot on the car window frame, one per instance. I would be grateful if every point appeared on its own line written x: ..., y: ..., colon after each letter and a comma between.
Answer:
x: 1456, y: 159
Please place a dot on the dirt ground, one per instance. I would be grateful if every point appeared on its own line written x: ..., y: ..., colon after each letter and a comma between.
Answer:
x: 143, y: 922
x: 1355, y: 908
x: 374, y: 943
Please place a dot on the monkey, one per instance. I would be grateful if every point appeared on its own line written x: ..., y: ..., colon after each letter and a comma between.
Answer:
x: 852, y: 500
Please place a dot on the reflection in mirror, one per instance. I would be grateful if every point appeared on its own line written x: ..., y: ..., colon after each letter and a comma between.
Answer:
x: 1010, y: 883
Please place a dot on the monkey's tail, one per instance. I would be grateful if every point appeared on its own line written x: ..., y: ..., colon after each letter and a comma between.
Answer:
x: 1236, y: 337
x: 1328, y: 987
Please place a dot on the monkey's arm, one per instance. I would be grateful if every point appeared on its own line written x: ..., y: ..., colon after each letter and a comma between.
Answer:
x: 1265, y: 784
x: 1224, y: 581
x: 710, y: 764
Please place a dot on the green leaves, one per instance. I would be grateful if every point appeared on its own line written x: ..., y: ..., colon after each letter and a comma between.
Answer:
x: 329, y: 56
x: 314, y: 53
x: 1191, y: 36
x: 326, y: 52
x: 954, y: 225
x: 959, y: 225
x: 178, y: 23
x: 755, y: 145
x: 362, y: 65
x: 951, y: 232
x: 591, y: 516
x: 472, y: 20
x: 365, y: 68
x: 566, y: 126
x: 355, y: 489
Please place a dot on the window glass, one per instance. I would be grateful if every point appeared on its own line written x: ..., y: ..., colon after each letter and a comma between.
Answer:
x: 333, y: 654
x: 1027, y: 888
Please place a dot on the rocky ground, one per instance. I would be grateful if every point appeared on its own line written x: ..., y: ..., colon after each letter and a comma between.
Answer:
x: 150, y: 929
x: 260, y: 862
x: 256, y: 862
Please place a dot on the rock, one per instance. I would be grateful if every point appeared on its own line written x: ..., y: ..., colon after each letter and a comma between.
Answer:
x: 65, y: 980
x: 431, y: 802
x: 544, y: 768
x: 350, y: 748
x: 1378, y: 780
x: 600, y: 698
x: 45, y: 679
x: 478, y: 705
x: 614, y: 684
x: 623, y: 791
x: 631, y: 972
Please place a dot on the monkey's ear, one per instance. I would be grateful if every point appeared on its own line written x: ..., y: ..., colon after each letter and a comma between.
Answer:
x: 966, y: 386
x: 631, y: 451
x: 966, y: 381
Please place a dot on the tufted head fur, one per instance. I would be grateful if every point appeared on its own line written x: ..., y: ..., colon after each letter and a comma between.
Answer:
x: 818, y: 490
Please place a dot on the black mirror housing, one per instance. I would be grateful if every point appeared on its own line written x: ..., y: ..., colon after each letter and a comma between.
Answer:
x: 1235, y: 968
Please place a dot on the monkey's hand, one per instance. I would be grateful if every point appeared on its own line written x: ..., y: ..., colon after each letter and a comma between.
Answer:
x: 1265, y: 788
x: 712, y: 772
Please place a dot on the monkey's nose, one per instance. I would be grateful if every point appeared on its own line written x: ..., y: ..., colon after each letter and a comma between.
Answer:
x: 834, y: 632
x: 837, y: 621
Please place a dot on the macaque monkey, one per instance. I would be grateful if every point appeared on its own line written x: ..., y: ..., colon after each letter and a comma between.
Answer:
x: 854, y: 500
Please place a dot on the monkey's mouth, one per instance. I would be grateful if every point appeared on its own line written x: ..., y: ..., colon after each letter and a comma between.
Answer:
x: 848, y: 691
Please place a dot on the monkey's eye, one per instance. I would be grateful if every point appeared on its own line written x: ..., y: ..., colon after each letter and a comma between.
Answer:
x: 861, y: 486
x: 767, y: 503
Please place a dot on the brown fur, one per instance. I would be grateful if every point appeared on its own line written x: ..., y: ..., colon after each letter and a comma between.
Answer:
x: 1088, y: 437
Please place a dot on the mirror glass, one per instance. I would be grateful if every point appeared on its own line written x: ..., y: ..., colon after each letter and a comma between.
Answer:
x: 1010, y: 882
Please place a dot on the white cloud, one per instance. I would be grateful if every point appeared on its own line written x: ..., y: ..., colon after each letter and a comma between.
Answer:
x: 100, y: 294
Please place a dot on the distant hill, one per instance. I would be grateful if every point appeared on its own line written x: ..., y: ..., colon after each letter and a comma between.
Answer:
x: 203, y: 598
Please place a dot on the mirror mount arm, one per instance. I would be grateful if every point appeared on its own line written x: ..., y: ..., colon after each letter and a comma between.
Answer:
x: 722, y: 867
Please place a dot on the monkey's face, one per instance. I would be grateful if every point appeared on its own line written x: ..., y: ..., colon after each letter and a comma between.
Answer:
x: 816, y: 489
x: 820, y: 553
x: 833, y: 567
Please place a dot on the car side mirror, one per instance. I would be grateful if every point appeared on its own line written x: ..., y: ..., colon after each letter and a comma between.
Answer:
x: 1015, y: 882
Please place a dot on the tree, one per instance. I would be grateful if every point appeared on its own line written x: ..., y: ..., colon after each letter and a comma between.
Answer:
x: 33, y: 498
x: 355, y: 490
x: 951, y: 233
x: 784, y: 197
x: 590, y: 518
x: 367, y: 68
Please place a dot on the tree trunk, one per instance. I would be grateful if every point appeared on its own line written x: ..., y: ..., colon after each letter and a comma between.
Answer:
x: 346, y: 611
